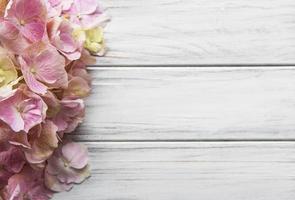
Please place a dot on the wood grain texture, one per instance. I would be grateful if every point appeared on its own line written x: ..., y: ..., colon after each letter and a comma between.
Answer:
x: 200, y: 32
x: 190, y: 104
x: 176, y: 171
x: 150, y: 130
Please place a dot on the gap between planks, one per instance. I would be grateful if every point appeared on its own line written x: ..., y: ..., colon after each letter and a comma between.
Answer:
x: 191, y: 141
x: 266, y: 65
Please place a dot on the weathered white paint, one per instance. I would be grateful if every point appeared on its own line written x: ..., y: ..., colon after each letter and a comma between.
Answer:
x: 200, y: 31
x: 190, y: 171
x: 190, y: 104
x: 147, y: 128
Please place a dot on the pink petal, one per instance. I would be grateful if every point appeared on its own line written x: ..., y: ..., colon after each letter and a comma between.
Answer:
x: 8, y: 30
x: 22, y: 110
x: 50, y: 66
x: 73, y: 55
x: 94, y: 20
x: 44, y: 145
x: 26, y: 10
x: 77, y: 88
x: 32, y: 82
x: 34, y: 31
x: 54, y: 2
x: 76, y: 154
x: 9, y: 113
x: 55, y: 185
x: 12, y: 159
x: 68, y: 43
x: 83, y: 6
x: 11, y: 38
x: 32, y: 113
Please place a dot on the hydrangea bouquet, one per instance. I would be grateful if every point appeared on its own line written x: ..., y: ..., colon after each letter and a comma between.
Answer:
x: 45, y: 46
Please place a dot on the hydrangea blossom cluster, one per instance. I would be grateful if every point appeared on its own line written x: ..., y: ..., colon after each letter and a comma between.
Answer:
x: 45, y: 46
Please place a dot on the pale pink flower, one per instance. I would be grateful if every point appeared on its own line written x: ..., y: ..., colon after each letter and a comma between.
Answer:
x: 79, y: 82
x: 53, y: 104
x: 28, y: 184
x: 66, y: 114
x: 78, y: 69
x: 28, y: 17
x: 78, y: 88
x: 42, y: 144
x: 22, y: 109
x: 43, y: 67
x: 87, y: 14
x: 67, y: 166
x: 60, y: 33
x: 11, y: 38
x: 55, y: 7
x: 70, y: 115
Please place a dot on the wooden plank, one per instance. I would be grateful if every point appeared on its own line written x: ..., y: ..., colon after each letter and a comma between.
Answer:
x: 200, y: 32
x: 173, y: 171
x: 190, y: 104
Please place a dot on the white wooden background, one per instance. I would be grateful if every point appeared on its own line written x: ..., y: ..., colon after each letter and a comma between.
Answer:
x: 194, y: 100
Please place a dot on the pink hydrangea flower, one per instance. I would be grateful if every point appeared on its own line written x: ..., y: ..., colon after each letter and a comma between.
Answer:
x: 86, y: 16
x: 28, y: 184
x: 78, y: 69
x: 45, y: 47
x: 70, y: 115
x: 66, y: 114
x: 67, y: 166
x: 11, y: 38
x: 78, y: 88
x: 55, y: 7
x: 12, y: 161
x: 79, y: 82
x: 43, y: 67
x: 22, y: 110
x: 42, y: 144
x: 9, y: 137
x: 28, y: 17
x: 60, y: 34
